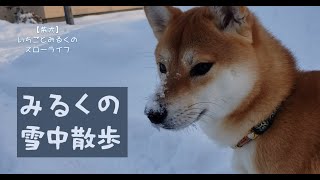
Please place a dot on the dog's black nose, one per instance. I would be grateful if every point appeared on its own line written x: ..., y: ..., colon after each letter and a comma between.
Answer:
x: 157, y: 117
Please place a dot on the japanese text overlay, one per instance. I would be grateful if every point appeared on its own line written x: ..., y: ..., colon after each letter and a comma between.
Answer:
x: 72, y: 122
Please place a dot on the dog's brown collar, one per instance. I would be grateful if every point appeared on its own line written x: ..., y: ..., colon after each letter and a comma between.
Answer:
x: 258, y: 129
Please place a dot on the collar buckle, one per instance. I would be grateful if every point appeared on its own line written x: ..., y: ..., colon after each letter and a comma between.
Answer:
x: 257, y: 130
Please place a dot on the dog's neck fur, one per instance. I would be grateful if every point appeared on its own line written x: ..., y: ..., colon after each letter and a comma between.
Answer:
x: 276, y: 74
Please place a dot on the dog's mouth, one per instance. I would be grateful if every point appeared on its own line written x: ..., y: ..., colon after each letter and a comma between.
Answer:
x: 202, y: 113
x: 172, y: 124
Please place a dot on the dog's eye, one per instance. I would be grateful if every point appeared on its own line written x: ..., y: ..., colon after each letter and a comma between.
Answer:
x: 200, y: 69
x: 162, y: 68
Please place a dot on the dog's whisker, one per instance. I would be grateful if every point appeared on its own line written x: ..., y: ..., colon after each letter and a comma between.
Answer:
x: 210, y: 103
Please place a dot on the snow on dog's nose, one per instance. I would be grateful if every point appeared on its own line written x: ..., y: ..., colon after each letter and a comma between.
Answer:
x: 157, y: 117
x: 156, y: 112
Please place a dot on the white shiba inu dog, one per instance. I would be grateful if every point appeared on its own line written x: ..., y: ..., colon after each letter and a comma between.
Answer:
x: 219, y: 67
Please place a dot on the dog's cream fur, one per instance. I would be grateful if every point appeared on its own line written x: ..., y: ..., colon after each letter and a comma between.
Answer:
x: 252, y: 75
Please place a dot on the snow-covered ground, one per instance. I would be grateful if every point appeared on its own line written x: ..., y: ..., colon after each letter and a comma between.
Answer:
x: 117, y: 50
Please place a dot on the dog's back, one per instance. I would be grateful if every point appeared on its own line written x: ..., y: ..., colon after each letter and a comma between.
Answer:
x: 292, y: 145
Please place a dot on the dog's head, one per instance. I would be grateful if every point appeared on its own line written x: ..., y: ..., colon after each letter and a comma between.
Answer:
x: 205, y: 61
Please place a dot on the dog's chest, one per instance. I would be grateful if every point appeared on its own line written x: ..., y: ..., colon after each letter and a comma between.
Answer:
x: 244, y: 159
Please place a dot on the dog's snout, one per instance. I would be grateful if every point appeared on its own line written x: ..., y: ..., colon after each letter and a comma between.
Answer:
x: 157, y: 117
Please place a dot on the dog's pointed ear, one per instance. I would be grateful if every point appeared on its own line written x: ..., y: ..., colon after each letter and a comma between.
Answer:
x: 232, y: 18
x: 159, y: 17
x: 229, y: 16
